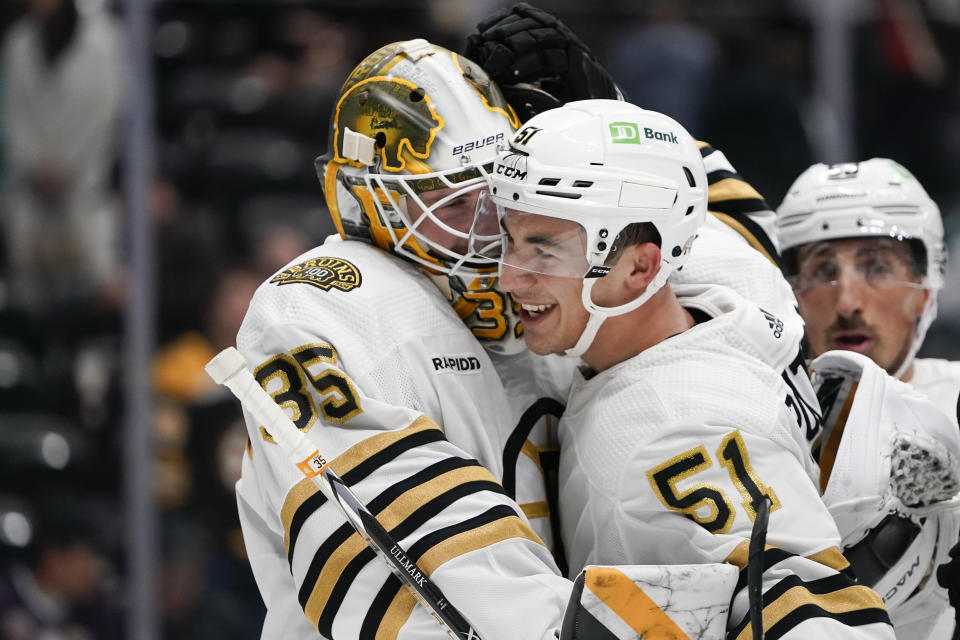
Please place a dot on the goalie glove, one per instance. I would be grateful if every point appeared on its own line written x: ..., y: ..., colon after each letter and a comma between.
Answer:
x: 891, y: 465
x: 537, y: 60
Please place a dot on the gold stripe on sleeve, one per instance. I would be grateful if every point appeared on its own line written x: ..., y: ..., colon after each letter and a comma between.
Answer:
x: 397, y: 613
x: 738, y: 557
x: 375, y: 444
x: 300, y: 493
x: 852, y: 598
x: 731, y: 189
x: 332, y: 569
x: 399, y: 510
x: 532, y: 451
x: 467, y: 541
x: 453, y: 547
x: 350, y: 458
x: 538, y: 509
x: 832, y: 558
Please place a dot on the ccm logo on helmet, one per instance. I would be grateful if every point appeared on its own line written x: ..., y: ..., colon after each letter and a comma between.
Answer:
x: 456, y: 364
x: 511, y: 172
x: 513, y: 166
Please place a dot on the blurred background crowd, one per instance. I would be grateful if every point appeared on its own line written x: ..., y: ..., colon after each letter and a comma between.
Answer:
x: 241, y: 97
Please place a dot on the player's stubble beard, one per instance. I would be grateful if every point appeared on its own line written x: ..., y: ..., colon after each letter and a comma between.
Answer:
x: 857, y: 323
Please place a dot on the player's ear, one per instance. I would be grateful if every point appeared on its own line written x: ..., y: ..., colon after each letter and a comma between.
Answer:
x: 644, y: 261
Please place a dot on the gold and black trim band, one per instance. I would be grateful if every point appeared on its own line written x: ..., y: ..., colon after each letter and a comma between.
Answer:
x: 725, y: 185
x: 401, y: 510
x: 352, y: 466
x: 427, y: 477
x: 831, y: 557
x: 392, y: 605
x: 792, y: 601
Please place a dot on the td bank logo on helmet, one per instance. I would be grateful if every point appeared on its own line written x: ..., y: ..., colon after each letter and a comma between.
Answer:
x: 632, y: 133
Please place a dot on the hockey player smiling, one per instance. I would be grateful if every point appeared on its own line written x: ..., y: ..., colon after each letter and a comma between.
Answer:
x: 682, y: 422
x: 554, y: 316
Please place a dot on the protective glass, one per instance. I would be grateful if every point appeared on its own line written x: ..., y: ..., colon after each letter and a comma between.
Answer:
x: 436, y: 210
x: 531, y: 240
x: 881, y: 263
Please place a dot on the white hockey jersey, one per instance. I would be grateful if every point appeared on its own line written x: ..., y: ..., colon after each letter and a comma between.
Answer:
x: 360, y: 347
x: 939, y: 380
x: 665, y: 456
x: 721, y: 256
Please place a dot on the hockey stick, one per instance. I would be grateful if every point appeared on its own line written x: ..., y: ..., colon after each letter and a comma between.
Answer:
x: 229, y: 369
x: 758, y: 540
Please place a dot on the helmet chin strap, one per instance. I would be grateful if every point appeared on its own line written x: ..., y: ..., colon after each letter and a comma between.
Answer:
x: 598, y: 314
x: 920, y: 331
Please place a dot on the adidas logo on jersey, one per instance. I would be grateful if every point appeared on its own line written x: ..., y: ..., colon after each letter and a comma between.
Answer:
x: 456, y: 364
x: 775, y: 323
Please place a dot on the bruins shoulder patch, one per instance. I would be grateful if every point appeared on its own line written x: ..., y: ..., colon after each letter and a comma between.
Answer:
x: 324, y: 273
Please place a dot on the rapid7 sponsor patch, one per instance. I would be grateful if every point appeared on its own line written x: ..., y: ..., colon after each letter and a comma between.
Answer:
x: 464, y: 364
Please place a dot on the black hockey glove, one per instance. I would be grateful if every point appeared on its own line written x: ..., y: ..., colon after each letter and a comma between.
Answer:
x: 537, y: 60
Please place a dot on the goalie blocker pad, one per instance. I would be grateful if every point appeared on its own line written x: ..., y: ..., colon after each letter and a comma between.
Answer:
x: 890, y: 465
x: 650, y: 601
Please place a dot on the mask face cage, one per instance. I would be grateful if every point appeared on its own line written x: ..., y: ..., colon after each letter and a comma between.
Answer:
x: 429, y: 217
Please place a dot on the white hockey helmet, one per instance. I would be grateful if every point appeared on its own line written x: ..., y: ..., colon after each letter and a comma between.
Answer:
x: 874, y: 198
x: 412, y: 129
x: 606, y: 165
